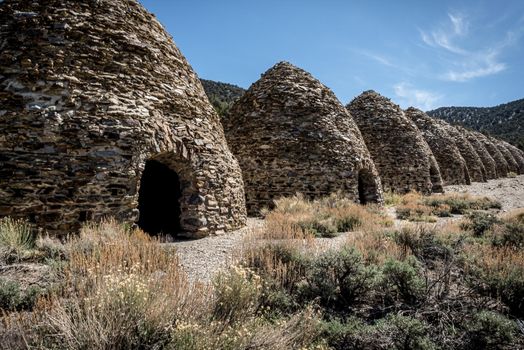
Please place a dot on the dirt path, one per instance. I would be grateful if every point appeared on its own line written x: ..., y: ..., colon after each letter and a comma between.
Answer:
x: 203, y: 258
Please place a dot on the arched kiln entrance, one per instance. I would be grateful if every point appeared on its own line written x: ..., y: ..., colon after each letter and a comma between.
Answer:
x: 159, y: 199
x: 367, y: 187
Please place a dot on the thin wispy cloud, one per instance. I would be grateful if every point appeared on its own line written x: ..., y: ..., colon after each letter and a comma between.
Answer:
x: 376, y: 57
x: 451, y: 38
x: 488, y: 66
x: 460, y: 25
x: 408, y: 95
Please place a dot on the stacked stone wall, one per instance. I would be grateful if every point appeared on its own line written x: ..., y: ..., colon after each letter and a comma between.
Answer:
x: 512, y: 163
x: 476, y: 169
x: 402, y: 157
x: 90, y: 91
x: 485, y: 156
x: 518, y: 155
x: 291, y: 135
x: 452, y: 165
x: 501, y: 165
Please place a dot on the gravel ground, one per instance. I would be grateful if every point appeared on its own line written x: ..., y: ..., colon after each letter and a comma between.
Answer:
x: 509, y: 191
x: 203, y: 258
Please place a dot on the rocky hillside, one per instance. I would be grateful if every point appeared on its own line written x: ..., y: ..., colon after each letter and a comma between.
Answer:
x: 505, y: 121
x: 221, y: 95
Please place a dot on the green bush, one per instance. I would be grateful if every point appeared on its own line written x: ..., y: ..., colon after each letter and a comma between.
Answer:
x: 461, y: 204
x: 490, y: 330
x: 13, y: 298
x: 348, y: 223
x: 510, y: 233
x: 343, y: 334
x: 501, y: 278
x: 480, y: 223
x: 401, y: 281
x: 326, y: 227
x: 237, y: 295
x: 338, y: 278
x: 422, y: 242
x: 393, y: 332
x: 405, y: 333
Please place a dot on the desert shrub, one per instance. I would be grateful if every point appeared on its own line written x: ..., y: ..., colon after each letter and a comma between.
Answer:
x: 51, y: 248
x: 338, y: 278
x: 324, y: 217
x: 489, y: 330
x: 442, y: 211
x: 122, y: 290
x: 281, y: 266
x: 401, y: 281
x: 392, y: 332
x: 403, y: 333
x: 319, y: 226
x: 392, y: 199
x: 16, y: 237
x: 497, y: 272
x: 342, y: 334
x: 299, y: 331
x: 375, y: 246
x: 461, y: 203
x: 479, y: 223
x: 12, y: 297
x: 422, y: 242
x: 509, y: 231
x: 237, y: 293
x: 415, y: 212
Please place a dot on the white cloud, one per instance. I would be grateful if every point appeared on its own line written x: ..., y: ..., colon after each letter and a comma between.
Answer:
x: 411, y: 96
x: 376, y: 57
x: 488, y: 67
x: 444, y: 36
x: 460, y: 25
x: 465, y: 64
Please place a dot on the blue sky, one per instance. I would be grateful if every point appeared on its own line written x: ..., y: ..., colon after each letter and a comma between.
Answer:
x: 419, y: 53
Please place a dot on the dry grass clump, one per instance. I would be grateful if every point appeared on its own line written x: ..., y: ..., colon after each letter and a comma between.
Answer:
x: 462, y: 203
x: 417, y: 208
x: 17, y: 239
x: 498, y: 272
x: 392, y: 199
x: 121, y: 289
x: 298, y: 217
x: 387, y: 287
x: 417, y: 286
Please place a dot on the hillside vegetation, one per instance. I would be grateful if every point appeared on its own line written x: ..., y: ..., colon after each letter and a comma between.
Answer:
x: 221, y: 95
x: 458, y: 286
x: 505, y: 121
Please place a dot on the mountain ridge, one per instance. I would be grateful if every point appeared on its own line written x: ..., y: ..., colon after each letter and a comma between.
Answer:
x: 221, y: 95
x: 505, y: 121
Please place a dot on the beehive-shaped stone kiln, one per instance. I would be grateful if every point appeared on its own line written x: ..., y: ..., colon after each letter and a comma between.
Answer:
x: 484, y: 155
x: 512, y: 163
x: 291, y: 134
x: 501, y: 166
x: 518, y: 155
x: 101, y: 115
x: 476, y: 169
x: 401, y: 155
x: 452, y: 165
